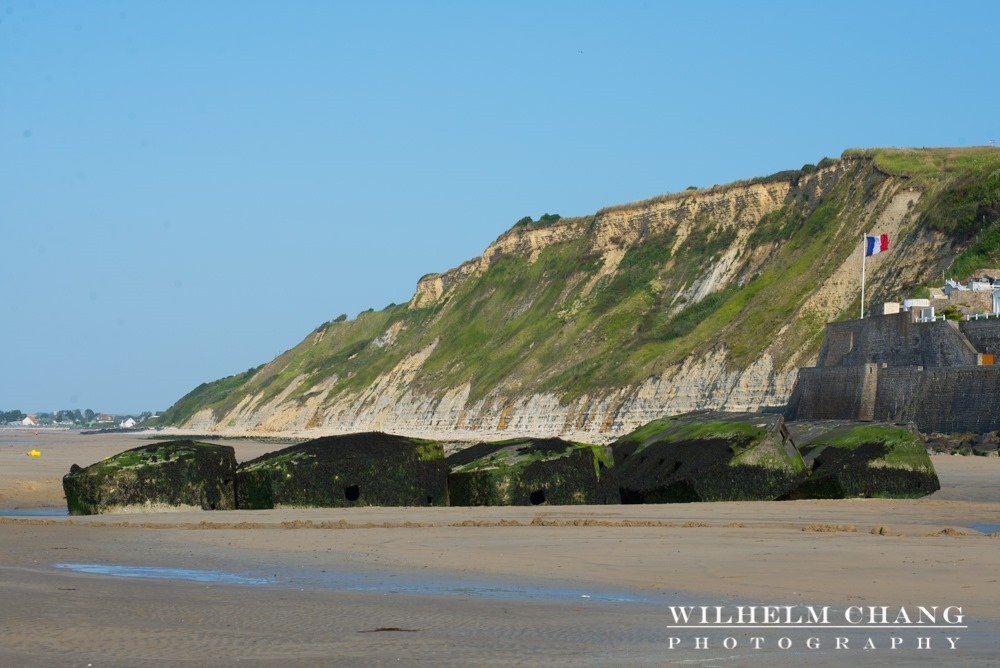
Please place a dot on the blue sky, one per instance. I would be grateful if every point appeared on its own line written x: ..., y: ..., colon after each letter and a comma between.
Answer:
x: 187, y: 189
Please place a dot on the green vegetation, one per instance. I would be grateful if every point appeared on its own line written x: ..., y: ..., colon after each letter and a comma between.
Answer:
x: 640, y: 265
x: 877, y: 460
x: 689, y: 317
x: 691, y: 426
x: 11, y: 416
x: 984, y: 253
x: 962, y: 196
x: 777, y: 225
x: 969, y: 204
x: 204, y: 395
x: 904, y: 447
x: 544, y: 220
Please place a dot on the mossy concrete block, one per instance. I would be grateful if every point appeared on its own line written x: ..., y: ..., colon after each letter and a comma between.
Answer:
x: 526, y: 471
x: 369, y: 469
x: 161, y: 476
x: 851, y: 459
x: 707, y: 456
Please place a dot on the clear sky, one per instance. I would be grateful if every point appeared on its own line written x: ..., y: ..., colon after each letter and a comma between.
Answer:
x: 188, y: 188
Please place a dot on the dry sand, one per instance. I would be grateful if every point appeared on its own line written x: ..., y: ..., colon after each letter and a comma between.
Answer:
x: 553, y: 585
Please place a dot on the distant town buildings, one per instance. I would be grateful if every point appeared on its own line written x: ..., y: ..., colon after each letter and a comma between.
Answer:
x: 979, y: 296
x: 30, y: 421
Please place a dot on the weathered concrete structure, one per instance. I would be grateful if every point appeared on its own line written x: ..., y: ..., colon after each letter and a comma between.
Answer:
x: 939, y: 375
x: 368, y: 469
x: 524, y: 471
x: 707, y: 456
x: 161, y: 476
x: 850, y: 459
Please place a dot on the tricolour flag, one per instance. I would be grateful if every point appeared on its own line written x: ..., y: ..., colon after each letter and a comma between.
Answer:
x: 875, y: 244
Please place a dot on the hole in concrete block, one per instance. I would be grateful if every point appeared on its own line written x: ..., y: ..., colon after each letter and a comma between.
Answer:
x: 352, y: 493
x: 627, y: 495
x: 537, y: 497
x: 430, y: 500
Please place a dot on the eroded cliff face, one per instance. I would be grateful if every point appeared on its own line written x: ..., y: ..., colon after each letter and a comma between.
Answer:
x: 592, y: 326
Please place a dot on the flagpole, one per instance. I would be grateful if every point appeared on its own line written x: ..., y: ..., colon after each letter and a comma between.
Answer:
x: 863, y: 254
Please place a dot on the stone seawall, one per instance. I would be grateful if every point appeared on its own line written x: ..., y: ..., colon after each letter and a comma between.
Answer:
x: 959, y: 399
x: 895, y: 340
x: 983, y: 334
x: 828, y: 394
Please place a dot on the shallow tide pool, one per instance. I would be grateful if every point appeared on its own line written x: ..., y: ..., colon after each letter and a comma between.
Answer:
x: 163, y: 573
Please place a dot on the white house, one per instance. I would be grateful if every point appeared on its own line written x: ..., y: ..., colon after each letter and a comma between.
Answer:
x: 30, y: 421
x: 127, y: 423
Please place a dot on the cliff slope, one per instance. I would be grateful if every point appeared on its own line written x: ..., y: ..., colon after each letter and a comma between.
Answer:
x: 587, y: 327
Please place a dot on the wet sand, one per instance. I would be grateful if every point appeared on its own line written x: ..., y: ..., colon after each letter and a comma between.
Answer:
x: 543, y: 585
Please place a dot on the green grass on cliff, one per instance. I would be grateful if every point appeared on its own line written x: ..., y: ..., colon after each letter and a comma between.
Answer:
x: 963, y: 197
x: 548, y: 325
x: 206, y: 394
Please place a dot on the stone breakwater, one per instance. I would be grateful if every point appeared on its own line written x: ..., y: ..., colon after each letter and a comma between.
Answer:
x: 700, y: 456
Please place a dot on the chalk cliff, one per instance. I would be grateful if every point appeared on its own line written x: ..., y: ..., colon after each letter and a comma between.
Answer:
x: 588, y: 327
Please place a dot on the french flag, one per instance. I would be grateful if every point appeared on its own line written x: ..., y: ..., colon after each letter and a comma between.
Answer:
x: 875, y: 244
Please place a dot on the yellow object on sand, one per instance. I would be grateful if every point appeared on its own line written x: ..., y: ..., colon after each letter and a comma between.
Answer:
x: 34, y: 453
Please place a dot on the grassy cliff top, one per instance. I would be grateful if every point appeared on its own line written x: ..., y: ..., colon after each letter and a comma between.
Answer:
x: 928, y: 165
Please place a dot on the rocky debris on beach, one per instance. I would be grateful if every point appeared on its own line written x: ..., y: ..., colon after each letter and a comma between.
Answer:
x: 152, y: 477
x: 368, y: 469
x: 707, y: 456
x: 982, y: 445
x: 850, y: 459
x: 527, y: 471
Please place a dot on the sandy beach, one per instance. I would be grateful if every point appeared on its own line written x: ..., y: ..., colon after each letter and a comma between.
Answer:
x: 563, y: 585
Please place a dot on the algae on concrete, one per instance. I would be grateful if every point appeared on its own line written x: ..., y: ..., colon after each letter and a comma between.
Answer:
x: 526, y: 471
x: 157, y: 476
x: 850, y: 459
x: 368, y: 469
x: 707, y: 456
